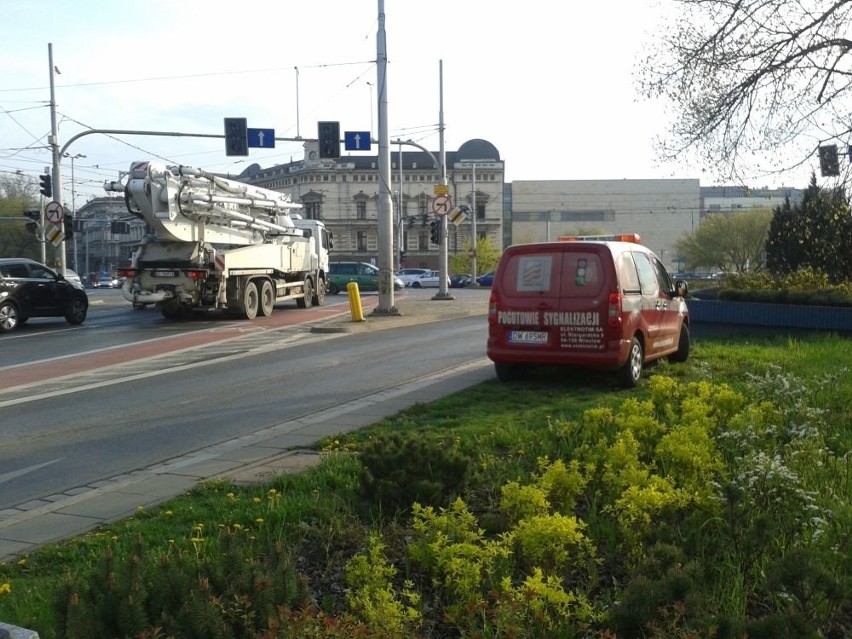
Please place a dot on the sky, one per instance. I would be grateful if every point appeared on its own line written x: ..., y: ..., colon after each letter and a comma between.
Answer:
x: 549, y: 84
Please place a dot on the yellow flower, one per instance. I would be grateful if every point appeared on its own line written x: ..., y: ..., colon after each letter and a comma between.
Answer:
x: 5, y: 588
x: 140, y: 508
x: 257, y: 500
x: 168, y: 513
x: 259, y: 520
x: 22, y: 561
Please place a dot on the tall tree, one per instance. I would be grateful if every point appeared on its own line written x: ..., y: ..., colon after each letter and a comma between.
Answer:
x: 753, y: 79
x: 16, y: 197
x: 726, y: 241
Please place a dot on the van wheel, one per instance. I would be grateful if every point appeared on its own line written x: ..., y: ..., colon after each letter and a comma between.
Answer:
x: 682, y: 352
x: 630, y: 374
x: 508, y: 372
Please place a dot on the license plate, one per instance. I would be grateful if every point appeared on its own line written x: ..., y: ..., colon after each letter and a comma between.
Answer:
x: 528, y: 337
x: 165, y: 274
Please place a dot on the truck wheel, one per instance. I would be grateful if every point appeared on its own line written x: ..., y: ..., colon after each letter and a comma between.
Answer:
x: 267, y: 298
x: 319, y: 294
x: 333, y: 288
x: 307, y: 298
x: 630, y: 374
x: 172, y: 311
x: 251, y: 301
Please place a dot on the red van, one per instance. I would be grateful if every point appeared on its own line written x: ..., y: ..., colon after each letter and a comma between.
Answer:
x: 603, y: 302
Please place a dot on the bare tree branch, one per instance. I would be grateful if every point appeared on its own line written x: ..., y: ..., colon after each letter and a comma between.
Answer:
x: 762, y: 81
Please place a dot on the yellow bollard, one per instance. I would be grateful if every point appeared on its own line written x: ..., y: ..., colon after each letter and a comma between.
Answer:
x: 355, y: 302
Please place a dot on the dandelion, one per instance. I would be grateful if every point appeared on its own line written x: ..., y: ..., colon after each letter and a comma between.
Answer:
x: 231, y: 496
x: 168, y: 513
x: 139, y: 509
x: 5, y: 588
x: 259, y: 520
x: 256, y: 500
x: 22, y: 561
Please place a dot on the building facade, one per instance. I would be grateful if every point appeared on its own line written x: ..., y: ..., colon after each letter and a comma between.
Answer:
x: 344, y: 193
x: 105, y: 236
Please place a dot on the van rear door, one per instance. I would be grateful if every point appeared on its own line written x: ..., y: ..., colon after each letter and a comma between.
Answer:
x: 550, y: 301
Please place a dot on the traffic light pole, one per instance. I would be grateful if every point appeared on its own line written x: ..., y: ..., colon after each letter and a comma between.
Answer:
x: 54, y: 146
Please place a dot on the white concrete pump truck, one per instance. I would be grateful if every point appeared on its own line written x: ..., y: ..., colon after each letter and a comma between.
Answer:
x: 219, y: 244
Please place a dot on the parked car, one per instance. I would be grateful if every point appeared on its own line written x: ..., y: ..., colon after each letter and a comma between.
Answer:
x: 429, y: 279
x: 31, y: 289
x: 365, y: 275
x: 461, y: 280
x: 486, y: 279
x: 72, y: 277
x: 408, y: 274
x: 605, y: 304
x: 108, y: 282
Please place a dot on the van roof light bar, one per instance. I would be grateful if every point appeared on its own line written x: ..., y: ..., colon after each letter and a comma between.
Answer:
x: 622, y: 237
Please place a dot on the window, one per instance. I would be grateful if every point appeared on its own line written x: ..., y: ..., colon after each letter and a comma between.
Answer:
x: 361, y: 209
x: 313, y: 210
x: 647, y: 274
x: 362, y: 241
x: 15, y: 270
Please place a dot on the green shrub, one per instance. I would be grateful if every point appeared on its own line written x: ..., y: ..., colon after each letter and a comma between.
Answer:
x: 400, y: 469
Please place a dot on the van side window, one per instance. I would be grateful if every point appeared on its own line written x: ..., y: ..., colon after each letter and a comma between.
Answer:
x: 647, y: 274
x: 663, y: 278
x: 627, y: 276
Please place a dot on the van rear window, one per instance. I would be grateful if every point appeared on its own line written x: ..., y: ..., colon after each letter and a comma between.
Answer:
x: 557, y: 274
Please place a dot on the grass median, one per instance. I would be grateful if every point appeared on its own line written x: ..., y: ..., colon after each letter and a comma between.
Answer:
x: 713, y: 500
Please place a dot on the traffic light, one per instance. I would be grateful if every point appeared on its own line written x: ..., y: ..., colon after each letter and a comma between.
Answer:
x: 33, y: 214
x: 328, y: 135
x: 828, y: 161
x: 236, y: 136
x: 435, y: 232
x: 32, y: 227
x: 68, y: 226
x: 45, y: 183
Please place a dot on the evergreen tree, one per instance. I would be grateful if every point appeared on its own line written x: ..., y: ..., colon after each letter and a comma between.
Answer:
x: 816, y: 234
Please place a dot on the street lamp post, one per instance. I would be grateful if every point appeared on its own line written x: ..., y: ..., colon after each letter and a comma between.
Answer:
x: 472, y: 164
x: 74, y: 204
x: 370, y: 84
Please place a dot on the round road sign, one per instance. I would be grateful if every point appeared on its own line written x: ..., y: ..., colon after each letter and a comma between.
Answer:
x: 54, y: 213
x: 442, y: 205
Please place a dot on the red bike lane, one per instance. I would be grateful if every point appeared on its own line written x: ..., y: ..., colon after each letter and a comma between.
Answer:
x: 31, y: 373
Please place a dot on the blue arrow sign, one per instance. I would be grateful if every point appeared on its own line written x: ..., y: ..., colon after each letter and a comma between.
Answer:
x: 261, y: 138
x: 356, y: 140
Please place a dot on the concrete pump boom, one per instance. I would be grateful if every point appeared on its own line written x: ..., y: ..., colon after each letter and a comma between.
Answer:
x: 190, y: 205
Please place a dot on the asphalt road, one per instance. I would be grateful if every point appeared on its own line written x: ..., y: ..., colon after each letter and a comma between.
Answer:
x: 129, y: 390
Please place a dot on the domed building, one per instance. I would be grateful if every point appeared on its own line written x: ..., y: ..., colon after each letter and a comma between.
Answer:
x: 344, y: 194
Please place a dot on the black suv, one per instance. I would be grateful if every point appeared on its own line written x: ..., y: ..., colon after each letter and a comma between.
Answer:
x: 30, y: 289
